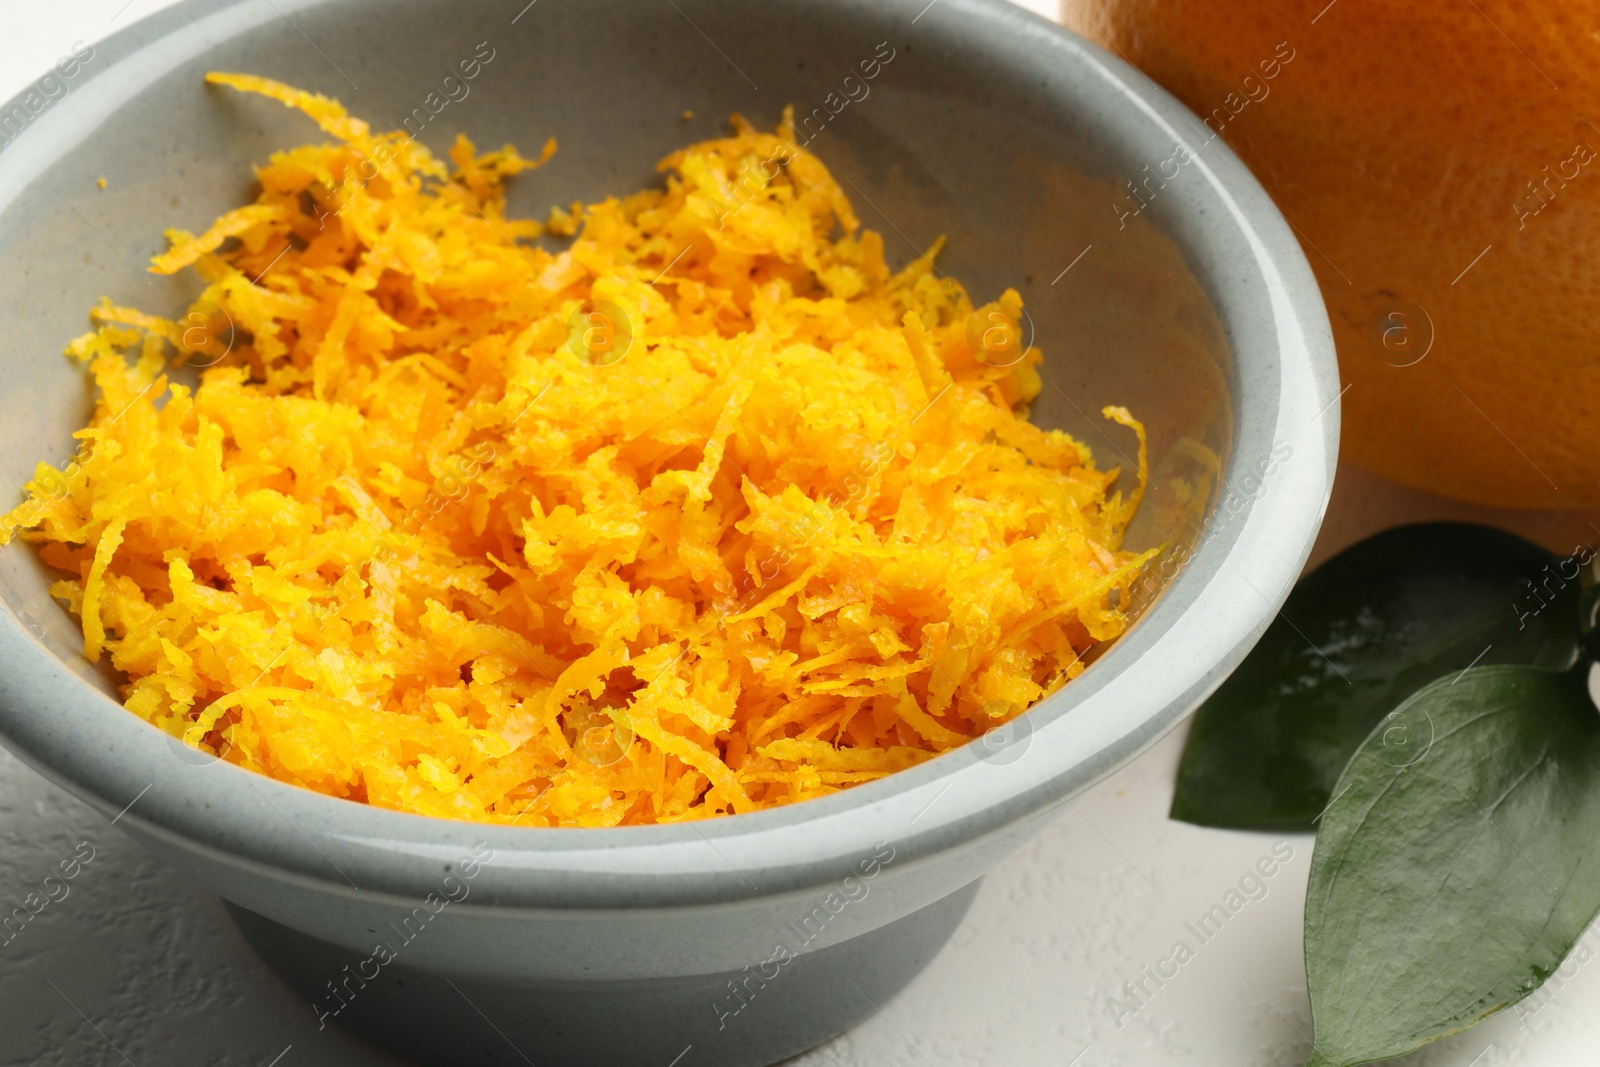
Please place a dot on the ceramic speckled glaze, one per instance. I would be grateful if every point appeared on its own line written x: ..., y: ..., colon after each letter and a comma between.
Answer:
x: 1156, y: 275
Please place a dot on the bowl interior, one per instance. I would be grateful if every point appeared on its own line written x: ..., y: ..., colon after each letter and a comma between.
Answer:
x: 928, y: 140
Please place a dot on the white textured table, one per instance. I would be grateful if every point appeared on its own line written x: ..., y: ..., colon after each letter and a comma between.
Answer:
x: 137, y: 965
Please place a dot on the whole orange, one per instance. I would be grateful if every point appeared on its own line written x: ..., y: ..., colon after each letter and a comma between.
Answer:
x: 1439, y: 162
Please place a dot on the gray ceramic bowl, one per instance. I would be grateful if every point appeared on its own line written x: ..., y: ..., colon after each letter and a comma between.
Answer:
x: 1157, y: 275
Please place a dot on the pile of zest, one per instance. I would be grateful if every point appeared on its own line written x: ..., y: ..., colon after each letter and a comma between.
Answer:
x: 413, y: 542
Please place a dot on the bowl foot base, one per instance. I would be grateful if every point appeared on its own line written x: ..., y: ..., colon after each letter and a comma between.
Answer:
x: 694, y: 1021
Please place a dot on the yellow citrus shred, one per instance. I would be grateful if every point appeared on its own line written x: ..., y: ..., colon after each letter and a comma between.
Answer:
x: 705, y: 512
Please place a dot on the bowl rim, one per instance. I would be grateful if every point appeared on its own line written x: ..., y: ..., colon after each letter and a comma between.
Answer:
x: 1238, y: 575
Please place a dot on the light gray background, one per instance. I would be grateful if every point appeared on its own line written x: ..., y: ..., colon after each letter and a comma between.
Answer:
x: 139, y: 966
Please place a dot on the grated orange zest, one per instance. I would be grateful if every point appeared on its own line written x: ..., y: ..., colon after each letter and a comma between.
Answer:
x: 706, y: 512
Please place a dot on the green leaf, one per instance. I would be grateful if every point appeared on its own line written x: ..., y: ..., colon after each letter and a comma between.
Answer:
x: 1458, y: 863
x: 1358, y: 635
